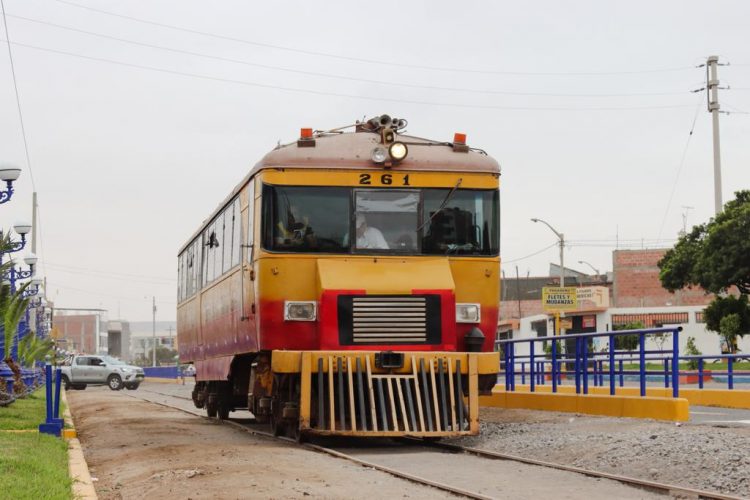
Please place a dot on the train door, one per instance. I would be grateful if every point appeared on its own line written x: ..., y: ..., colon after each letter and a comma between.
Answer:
x: 248, y: 330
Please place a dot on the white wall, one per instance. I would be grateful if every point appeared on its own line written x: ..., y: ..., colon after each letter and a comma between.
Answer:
x: 706, y: 341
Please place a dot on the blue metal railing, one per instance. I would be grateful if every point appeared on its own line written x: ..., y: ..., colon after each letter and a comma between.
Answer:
x: 582, y: 359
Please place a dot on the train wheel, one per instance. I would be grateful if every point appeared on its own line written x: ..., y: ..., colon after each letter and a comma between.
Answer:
x: 212, y: 405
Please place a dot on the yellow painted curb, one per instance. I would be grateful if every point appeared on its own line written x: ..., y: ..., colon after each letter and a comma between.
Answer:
x: 82, y: 485
x: 674, y: 409
x: 164, y: 380
x: 724, y: 398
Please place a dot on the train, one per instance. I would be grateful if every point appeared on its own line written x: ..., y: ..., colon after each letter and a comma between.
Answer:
x: 349, y: 285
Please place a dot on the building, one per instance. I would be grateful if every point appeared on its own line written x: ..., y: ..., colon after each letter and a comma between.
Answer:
x: 118, y: 335
x: 142, y: 336
x: 631, y: 293
x: 82, y: 331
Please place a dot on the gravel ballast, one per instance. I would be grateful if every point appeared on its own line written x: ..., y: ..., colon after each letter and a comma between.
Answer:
x: 708, y: 457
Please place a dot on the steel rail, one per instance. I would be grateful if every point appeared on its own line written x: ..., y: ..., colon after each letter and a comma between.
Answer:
x: 663, y: 488
x: 668, y: 489
x: 320, y: 449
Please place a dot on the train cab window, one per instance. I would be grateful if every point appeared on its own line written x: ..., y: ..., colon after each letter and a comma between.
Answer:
x: 386, y: 220
x: 306, y: 219
x: 464, y: 222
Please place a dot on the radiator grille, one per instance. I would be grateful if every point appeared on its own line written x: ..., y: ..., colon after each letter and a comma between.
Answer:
x: 411, y: 319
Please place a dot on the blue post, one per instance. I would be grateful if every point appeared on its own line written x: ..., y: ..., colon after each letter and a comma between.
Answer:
x: 666, y: 373
x: 554, y: 366
x: 622, y: 374
x: 513, y: 367
x: 676, y: 362
x: 601, y: 373
x: 531, y: 366
x: 612, y: 365
x: 642, y: 366
x: 585, y: 359
x: 730, y: 373
x: 49, y: 426
x: 578, y: 365
x: 506, y: 353
x: 523, y: 372
x: 58, y: 378
x: 541, y: 373
x: 700, y: 373
x: 48, y: 389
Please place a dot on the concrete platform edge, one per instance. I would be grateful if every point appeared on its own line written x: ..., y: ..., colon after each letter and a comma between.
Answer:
x: 724, y: 398
x: 163, y: 380
x: 82, y: 485
x: 659, y: 408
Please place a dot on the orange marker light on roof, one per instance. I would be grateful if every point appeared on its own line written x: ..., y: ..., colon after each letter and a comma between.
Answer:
x: 306, y: 133
x: 459, y: 138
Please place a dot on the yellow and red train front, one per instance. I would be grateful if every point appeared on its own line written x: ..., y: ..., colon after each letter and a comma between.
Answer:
x: 322, y: 282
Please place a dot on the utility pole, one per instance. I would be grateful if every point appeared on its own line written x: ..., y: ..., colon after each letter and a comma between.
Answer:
x: 712, y: 95
x: 153, y: 329
x: 685, y: 218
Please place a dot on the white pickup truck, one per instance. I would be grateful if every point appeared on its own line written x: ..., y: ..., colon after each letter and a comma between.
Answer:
x: 86, y: 370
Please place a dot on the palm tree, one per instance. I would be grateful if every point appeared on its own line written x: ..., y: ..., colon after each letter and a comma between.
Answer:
x: 12, y: 309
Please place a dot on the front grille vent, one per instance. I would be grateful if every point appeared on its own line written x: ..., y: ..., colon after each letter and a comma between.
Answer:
x: 411, y: 319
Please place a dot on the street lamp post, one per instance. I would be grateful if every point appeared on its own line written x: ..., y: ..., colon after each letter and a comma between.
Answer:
x: 153, y: 327
x: 9, y: 174
x: 558, y: 328
x: 592, y: 267
x: 562, y: 247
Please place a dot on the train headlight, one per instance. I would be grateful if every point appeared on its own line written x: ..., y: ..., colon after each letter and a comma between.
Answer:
x: 468, y: 313
x: 379, y: 154
x: 300, y: 311
x: 398, y: 151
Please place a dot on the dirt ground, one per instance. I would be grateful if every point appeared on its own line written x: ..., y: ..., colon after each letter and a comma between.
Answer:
x: 141, y: 450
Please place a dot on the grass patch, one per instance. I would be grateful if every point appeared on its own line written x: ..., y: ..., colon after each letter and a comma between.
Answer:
x: 720, y: 367
x: 33, y: 466
x: 27, y: 413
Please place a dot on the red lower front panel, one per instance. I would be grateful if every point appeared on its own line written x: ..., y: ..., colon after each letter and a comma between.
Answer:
x: 323, y: 334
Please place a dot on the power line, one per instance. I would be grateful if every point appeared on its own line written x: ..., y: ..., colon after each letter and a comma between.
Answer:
x: 336, y: 94
x: 86, y: 270
x: 18, y: 98
x: 679, y: 169
x: 364, y: 60
x: 334, y: 76
x: 531, y: 254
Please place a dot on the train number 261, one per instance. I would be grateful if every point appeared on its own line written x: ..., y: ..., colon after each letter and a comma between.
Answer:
x: 385, y: 179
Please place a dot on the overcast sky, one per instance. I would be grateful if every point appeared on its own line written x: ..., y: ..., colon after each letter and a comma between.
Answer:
x: 128, y: 161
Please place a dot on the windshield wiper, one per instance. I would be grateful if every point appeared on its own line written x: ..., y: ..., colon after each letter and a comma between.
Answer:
x: 442, y: 205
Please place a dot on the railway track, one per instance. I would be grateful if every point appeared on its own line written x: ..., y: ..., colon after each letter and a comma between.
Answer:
x: 372, y: 456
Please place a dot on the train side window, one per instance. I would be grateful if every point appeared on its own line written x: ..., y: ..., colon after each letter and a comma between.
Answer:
x: 179, y: 279
x: 236, y: 232
x: 218, y: 245
x: 196, y: 264
x: 228, y: 233
x: 210, y: 252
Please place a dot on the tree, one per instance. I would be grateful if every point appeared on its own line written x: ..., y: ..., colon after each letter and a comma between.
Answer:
x: 628, y: 342
x: 12, y: 308
x: 715, y: 255
x: 723, y: 307
x: 729, y: 328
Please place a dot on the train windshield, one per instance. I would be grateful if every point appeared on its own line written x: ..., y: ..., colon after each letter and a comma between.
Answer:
x: 411, y: 221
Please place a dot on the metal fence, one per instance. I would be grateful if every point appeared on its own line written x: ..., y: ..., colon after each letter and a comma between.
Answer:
x: 585, y: 363
x: 593, y: 368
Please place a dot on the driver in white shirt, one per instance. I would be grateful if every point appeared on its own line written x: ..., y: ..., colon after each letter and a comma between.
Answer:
x: 369, y: 237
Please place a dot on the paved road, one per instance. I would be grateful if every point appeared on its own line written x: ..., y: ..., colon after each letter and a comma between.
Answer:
x: 719, y: 417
